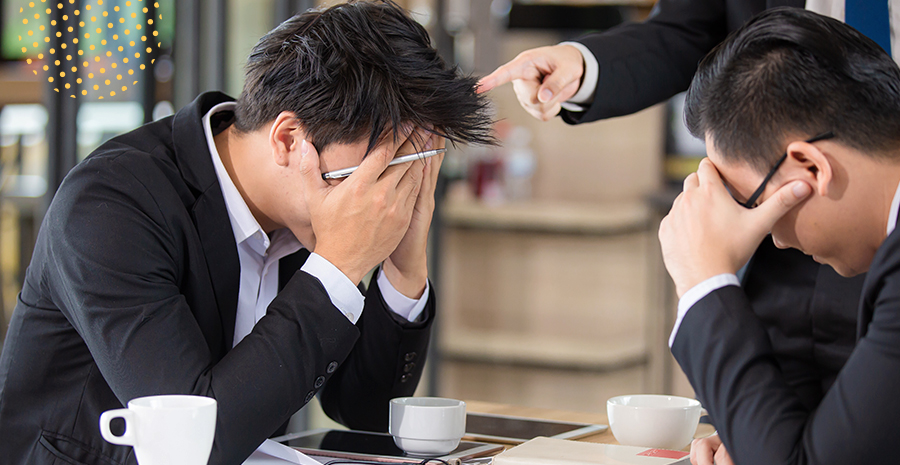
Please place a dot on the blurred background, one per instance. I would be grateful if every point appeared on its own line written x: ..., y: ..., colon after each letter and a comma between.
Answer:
x: 544, y: 252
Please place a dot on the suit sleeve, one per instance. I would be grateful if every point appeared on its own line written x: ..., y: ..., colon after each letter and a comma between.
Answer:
x: 387, y: 362
x: 114, y: 269
x: 725, y: 353
x: 642, y: 64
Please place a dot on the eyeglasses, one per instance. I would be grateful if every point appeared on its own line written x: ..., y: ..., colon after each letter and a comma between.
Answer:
x: 762, y: 187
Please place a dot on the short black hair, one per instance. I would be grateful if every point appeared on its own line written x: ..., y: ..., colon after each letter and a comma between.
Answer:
x: 790, y: 72
x: 359, y: 70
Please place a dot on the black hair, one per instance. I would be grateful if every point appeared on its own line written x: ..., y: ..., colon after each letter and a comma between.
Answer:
x: 359, y: 70
x: 790, y: 72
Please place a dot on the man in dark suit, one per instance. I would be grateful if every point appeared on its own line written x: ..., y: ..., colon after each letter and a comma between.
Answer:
x: 808, y: 310
x: 176, y: 258
x: 801, y: 115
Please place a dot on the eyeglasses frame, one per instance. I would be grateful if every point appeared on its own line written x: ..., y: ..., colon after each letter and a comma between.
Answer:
x: 762, y: 187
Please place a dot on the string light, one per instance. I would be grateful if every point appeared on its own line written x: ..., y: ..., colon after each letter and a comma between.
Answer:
x: 117, y: 16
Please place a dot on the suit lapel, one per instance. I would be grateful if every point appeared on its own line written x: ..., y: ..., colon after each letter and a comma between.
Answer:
x: 209, y: 212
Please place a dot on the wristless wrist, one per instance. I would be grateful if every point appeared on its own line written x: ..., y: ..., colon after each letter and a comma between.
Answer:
x: 352, y: 270
x: 410, y: 284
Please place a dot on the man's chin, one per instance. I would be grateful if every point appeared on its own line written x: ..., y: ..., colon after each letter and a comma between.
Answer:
x: 841, y: 269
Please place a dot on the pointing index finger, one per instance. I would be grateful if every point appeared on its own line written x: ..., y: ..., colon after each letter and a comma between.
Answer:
x: 509, y: 72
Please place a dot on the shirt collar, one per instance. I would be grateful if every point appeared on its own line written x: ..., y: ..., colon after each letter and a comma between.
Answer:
x: 243, y: 224
x: 892, y: 216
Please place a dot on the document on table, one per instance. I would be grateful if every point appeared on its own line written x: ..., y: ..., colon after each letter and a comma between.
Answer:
x: 549, y: 451
x: 272, y: 453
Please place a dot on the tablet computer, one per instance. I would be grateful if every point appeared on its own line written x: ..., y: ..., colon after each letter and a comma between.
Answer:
x: 516, y: 430
x: 377, y: 447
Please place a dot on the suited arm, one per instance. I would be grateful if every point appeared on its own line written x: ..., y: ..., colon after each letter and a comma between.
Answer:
x: 642, y: 64
x: 725, y: 353
x: 115, y: 270
x: 387, y: 362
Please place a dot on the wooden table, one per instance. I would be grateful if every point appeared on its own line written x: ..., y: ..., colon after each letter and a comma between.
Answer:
x: 605, y: 437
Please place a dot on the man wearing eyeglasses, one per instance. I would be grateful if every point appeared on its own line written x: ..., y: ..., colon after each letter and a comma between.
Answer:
x: 205, y: 254
x: 808, y: 309
x: 801, y: 116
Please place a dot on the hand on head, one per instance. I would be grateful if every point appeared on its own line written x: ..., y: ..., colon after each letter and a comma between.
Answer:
x: 360, y: 221
x: 543, y: 78
x: 707, y: 233
x: 407, y: 266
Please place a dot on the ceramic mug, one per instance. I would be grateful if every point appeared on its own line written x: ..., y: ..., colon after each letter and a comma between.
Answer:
x: 427, y: 426
x: 663, y: 422
x: 165, y: 430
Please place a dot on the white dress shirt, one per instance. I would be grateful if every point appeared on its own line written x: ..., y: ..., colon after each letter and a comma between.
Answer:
x: 694, y: 294
x: 832, y: 8
x: 259, y: 254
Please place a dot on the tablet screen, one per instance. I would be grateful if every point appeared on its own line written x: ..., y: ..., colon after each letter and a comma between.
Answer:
x: 356, y: 442
x: 522, y: 429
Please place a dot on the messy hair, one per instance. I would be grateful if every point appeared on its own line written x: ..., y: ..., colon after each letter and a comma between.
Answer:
x: 358, y: 71
x: 790, y: 72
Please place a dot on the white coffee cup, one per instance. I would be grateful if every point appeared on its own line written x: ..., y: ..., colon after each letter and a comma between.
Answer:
x: 427, y: 426
x: 166, y: 430
x: 646, y: 420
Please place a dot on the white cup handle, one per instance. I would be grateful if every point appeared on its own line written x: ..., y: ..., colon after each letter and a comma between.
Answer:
x: 126, y: 439
x: 703, y: 412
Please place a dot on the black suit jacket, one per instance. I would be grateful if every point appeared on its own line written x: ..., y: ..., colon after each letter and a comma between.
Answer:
x: 725, y: 352
x: 808, y: 310
x: 132, y: 291
x: 642, y: 64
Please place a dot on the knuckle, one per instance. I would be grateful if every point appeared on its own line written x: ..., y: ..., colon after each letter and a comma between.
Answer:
x: 527, y: 55
x: 786, y: 200
x: 358, y: 189
x: 380, y: 200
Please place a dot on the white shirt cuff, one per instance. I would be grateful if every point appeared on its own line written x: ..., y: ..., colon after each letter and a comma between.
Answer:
x: 585, y: 94
x: 694, y: 294
x: 342, y: 292
x: 399, y: 303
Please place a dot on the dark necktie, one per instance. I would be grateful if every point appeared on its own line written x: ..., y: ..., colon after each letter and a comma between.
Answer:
x: 872, y: 18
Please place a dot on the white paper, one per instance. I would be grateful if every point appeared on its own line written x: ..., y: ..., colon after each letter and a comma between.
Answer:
x: 271, y: 452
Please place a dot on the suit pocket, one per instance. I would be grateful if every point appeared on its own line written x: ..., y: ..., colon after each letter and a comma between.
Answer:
x: 71, y: 451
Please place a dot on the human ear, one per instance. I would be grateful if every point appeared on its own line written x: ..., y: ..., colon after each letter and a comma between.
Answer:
x: 808, y: 163
x: 285, y: 137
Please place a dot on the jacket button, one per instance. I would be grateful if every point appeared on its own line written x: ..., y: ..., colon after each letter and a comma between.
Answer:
x: 409, y: 367
x: 320, y: 381
x: 405, y: 378
x: 410, y: 356
x: 331, y: 367
x: 309, y: 397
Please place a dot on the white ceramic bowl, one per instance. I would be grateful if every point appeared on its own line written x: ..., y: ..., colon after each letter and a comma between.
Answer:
x: 427, y: 426
x: 664, y: 422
